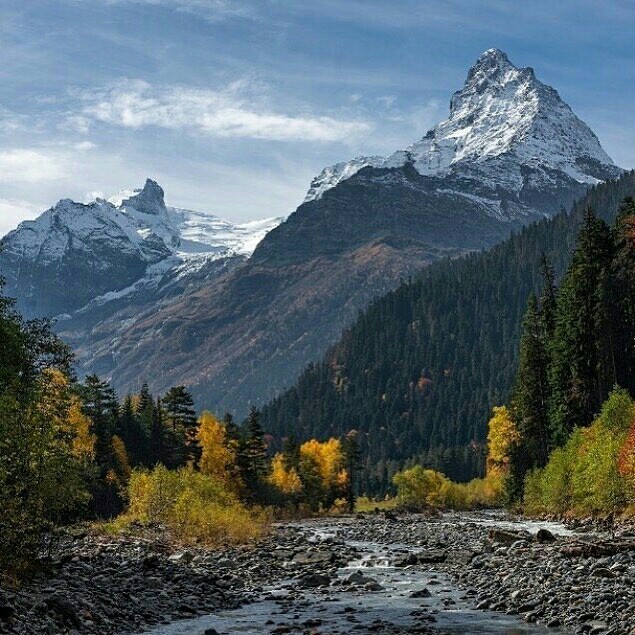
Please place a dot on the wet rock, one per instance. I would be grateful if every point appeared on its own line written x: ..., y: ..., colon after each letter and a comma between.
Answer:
x: 603, y: 572
x: 421, y: 593
x: 185, y: 557
x: 313, y: 557
x: 505, y: 536
x: 544, y: 535
x: 313, y: 580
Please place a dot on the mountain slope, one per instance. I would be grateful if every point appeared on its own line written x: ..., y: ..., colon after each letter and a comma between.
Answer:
x: 506, y: 131
x: 75, y: 255
x: 418, y: 372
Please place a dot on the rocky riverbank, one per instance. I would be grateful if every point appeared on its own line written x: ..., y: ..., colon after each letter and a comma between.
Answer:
x: 372, y: 574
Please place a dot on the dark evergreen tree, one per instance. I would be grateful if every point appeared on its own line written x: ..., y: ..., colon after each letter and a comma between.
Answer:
x: 252, y: 456
x: 291, y: 452
x: 157, y: 444
x: 581, y: 373
x: 548, y: 300
x: 530, y: 400
x: 232, y: 431
x: 145, y: 409
x: 350, y: 447
x: 181, y: 418
x: 622, y: 295
x: 101, y: 407
x: 131, y: 431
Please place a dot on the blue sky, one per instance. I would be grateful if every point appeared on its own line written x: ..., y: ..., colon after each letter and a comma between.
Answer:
x: 234, y: 105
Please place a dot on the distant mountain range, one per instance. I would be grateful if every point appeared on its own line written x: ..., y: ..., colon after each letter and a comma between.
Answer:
x: 170, y: 296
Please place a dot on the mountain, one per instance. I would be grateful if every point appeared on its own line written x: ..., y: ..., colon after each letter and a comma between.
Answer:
x: 510, y: 152
x: 419, y: 371
x: 507, y: 132
x: 76, y: 256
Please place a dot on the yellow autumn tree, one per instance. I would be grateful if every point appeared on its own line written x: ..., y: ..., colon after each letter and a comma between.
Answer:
x: 328, y: 458
x: 323, y: 472
x: 284, y: 478
x: 80, y: 427
x: 501, y: 437
x: 217, y: 457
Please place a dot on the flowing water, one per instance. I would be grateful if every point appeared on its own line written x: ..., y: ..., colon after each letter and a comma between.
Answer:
x: 389, y: 610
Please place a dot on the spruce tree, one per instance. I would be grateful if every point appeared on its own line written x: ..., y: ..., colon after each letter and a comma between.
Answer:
x: 145, y: 412
x: 622, y: 295
x: 548, y: 300
x: 581, y: 374
x: 253, y: 454
x: 350, y: 446
x: 530, y: 400
x: 99, y: 404
x: 181, y: 417
x: 132, y: 433
x: 157, y: 443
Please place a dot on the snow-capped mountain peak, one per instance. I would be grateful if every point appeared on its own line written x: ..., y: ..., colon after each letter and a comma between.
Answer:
x: 149, y: 200
x: 503, y: 120
x: 106, y: 245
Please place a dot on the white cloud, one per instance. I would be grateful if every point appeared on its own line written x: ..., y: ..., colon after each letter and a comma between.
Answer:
x: 29, y: 166
x: 13, y: 212
x: 83, y: 146
x: 225, y: 113
x: 211, y: 10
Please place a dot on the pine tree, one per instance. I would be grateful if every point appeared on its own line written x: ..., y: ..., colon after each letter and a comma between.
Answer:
x: 101, y: 407
x: 350, y: 447
x: 530, y: 400
x: 133, y: 435
x: 581, y: 373
x: 622, y: 295
x: 145, y: 409
x: 548, y: 300
x: 252, y: 455
x: 157, y: 450
x: 181, y: 417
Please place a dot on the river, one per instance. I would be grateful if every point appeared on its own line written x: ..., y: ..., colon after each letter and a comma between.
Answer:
x: 398, y: 600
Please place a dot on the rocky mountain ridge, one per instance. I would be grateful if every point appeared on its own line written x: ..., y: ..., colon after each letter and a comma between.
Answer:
x: 75, y: 255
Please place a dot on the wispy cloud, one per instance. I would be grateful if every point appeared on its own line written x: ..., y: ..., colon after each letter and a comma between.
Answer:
x: 14, y: 211
x: 211, y: 10
x: 225, y: 113
x: 29, y: 166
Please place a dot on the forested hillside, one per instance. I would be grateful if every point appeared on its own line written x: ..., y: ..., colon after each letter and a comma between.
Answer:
x: 420, y: 370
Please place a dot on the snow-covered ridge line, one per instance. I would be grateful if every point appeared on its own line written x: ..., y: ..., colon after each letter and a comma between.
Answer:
x: 138, y: 221
x: 502, y: 113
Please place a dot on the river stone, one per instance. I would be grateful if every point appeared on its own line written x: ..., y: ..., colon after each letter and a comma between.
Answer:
x: 422, y: 593
x: 313, y: 580
x: 506, y: 536
x: 603, y: 572
x: 544, y: 535
x: 313, y: 557
x: 185, y: 557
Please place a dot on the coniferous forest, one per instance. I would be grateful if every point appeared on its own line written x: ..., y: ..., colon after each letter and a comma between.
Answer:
x: 420, y: 370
